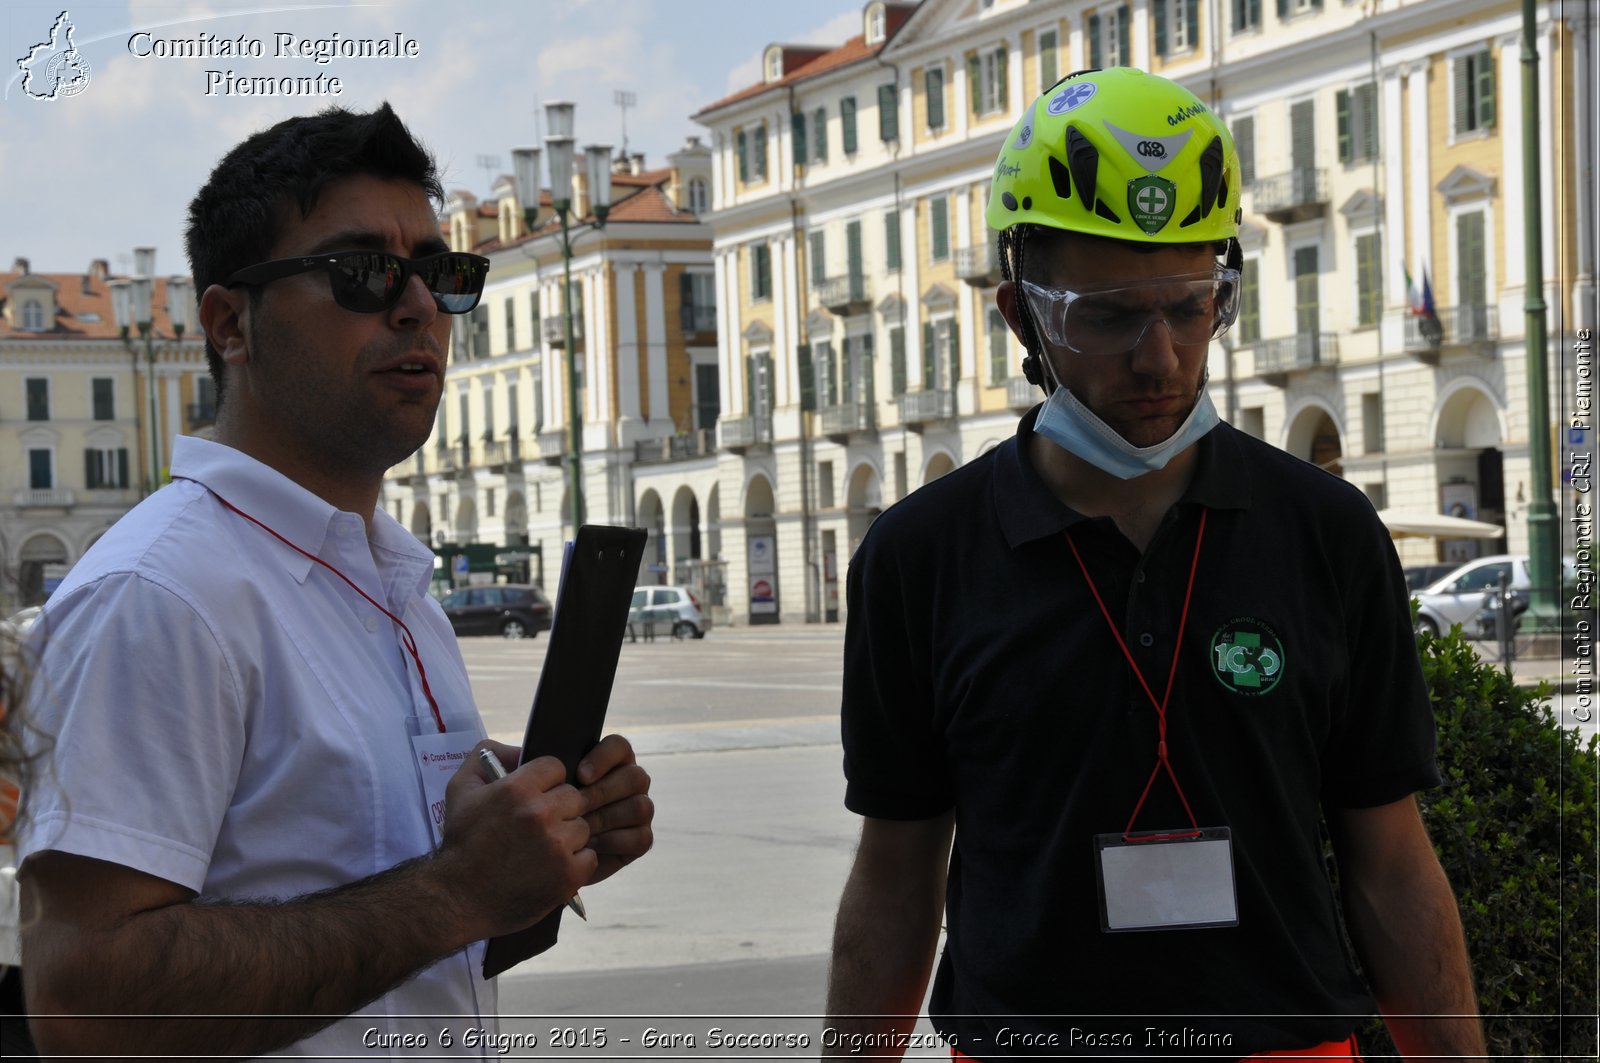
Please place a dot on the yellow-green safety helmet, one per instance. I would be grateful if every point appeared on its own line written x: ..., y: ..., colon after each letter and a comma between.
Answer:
x: 1122, y: 154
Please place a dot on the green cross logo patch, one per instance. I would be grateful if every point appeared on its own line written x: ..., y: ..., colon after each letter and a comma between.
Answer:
x: 1247, y: 656
x: 1150, y: 201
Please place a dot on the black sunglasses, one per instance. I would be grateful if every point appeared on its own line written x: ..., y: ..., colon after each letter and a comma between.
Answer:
x: 370, y: 282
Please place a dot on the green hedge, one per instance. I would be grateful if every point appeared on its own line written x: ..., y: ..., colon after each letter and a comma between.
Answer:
x: 1514, y: 826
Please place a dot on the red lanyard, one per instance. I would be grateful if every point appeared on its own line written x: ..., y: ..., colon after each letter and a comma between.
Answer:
x: 407, y: 640
x: 1162, y: 760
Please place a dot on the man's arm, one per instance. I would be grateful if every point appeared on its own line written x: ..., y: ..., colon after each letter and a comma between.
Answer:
x: 103, y: 939
x: 887, y: 928
x: 1403, y: 919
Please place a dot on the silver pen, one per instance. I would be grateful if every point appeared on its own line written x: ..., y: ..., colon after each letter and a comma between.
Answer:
x: 496, y: 770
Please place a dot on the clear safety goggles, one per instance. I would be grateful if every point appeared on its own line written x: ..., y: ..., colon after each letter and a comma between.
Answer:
x: 1195, y: 308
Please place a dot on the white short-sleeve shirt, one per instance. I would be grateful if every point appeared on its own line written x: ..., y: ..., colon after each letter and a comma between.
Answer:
x: 232, y: 717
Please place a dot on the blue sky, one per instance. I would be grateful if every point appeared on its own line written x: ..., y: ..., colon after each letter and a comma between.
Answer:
x: 96, y: 174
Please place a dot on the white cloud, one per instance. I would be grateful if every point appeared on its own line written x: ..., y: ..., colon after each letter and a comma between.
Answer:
x: 835, y: 31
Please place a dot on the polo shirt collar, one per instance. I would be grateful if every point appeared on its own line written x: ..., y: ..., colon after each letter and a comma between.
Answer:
x: 1028, y: 510
x: 405, y: 565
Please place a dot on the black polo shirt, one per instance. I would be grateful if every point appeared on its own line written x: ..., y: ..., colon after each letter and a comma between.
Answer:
x: 981, y: 675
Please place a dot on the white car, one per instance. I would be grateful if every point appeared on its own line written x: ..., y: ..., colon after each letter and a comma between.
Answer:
x: 673, y: 610
x: 1457, y: 597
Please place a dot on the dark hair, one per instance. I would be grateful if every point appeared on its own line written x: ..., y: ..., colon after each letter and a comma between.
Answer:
x: 233, y: 219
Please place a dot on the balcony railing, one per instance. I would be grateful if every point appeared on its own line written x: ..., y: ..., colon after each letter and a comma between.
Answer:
x: 675, y: 448
x: 1291, y: 197
x: 739, y: 433
x: 553, y: 446
x: 699, y: 318
x: 200, y: 414
x: 845, y: 296
x: 57, y: 498
x: 1277, y: 358
x: 979, y: 266
x: 555, y: 330
x: 1021, y: 394
x: 445, y: 459
x: 1470, y: 327
x: 846, y: 419
x: 500, y: 454
x: 920, y: 407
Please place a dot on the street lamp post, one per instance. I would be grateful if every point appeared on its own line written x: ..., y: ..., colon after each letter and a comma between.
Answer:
x: 132, y: 303
x: 561, y: 147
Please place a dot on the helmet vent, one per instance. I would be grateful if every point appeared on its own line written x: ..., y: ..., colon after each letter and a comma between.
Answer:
x: 1194, y: 216
x: 1211, y: 162
x: 1058, y: 176
x: 1222, y: 190
x: 1083, y: 159
x: 1106, y: 212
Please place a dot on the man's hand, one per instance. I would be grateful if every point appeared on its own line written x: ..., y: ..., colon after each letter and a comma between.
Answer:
x: 617, y: 805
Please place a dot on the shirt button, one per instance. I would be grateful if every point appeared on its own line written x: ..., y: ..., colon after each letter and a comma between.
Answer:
x: 1139, y: 577
x: 372, y: 623
x: 1147, y: 640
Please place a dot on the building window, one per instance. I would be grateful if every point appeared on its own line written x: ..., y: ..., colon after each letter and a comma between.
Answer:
x: 488, y: 502
x: 1175, y: 26
x: 106, y: 467
x: 742, y: 149
x: 1108, y: 37
x: 41, y: 469
x: 38, y: 398
x: 697, y: 298
x: 1371, y: 422
x: 888, y: 113
x: 774, y: 65
x: 1244, y: 139
x: 1474, y: 91
x: 891, y: 240
x: 819, y: 134
x: 986, y: 73
x: 999, y: 346
x: 105, y: 406
x: 818, y: 255
x: 488, y: 415
x: 699, y: 196
x: 938, y: 228
x: 933, y: 87
x: 536, y: 372
x: 1307, y: 294
x: 827, y: 374
x: 1358, y: 123
x: 758, y: 376
x: 1369, y: 296
x: 1246, y: 15
x: 941, y: 347
x: 513, y: 415
x: 797, y: 136
x: 707, y: 396
x: 1472, y: 273
x: 758, y: 153
x: 760, y: 272
x: 32, y: 316
x: 1249, y: 301
x: 875, y: 23
x: 847, y: 124
x: 511, y: 324
x: 897, y: 360
x: 1049, y: 65
x: 463, y: 407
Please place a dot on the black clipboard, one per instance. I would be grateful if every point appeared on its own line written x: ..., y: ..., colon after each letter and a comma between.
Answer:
x: 569, y: 705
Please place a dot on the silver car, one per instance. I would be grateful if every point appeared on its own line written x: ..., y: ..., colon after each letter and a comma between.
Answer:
x: 1457, y: 597
x: 669, y: 610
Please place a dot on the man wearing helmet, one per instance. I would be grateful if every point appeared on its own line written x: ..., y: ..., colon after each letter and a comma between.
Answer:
x: 1088, y: 656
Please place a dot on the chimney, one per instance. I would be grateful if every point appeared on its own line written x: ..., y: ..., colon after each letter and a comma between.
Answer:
x: 19, y: 265
x: 636, y: 163
x: 99, y: 269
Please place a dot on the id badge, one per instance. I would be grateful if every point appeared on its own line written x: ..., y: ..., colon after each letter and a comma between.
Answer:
x: 440, y: 756
x: 1171, y: 884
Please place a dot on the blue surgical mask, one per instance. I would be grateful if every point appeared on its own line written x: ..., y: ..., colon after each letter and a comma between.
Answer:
x: 1070, y: 425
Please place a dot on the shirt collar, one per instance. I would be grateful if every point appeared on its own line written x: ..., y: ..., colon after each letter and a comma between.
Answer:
x: 303, y: 518
x: 1028, y: 510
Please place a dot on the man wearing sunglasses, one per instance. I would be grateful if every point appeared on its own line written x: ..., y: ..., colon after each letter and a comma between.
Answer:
x: 1104, y: 684
x: 263, y: 824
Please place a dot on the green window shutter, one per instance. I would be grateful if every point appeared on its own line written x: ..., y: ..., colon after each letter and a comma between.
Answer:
x: 847, y: 124
x: 819, y: 256
x: 91, y: 468
x: 1283, y: 9
x: 1249, y: 303
x: 1462, y: 94
x: 797, y: 135
x: 1002, y: 92
x: 955, y: 352
x: 1365, y: 113
x: 1485, y: 87
x: 930, y: 369
x: 938, y: 229
x: 888, y: 120
x: 897, y: 361
x: 766, y: 371
x: 1191, y: 22
x: 1367, y: 279
x: 975, y: 83
x: 760, y: 150
x: 744, y: 157
x: 122, y: 466
x: 891, y: 239
x: 1161, y: 26
x: 933, y: 86
x: 1342, y: 106
x: 686, y: 298
x: 1244, y: 139
x: 1255, y: 13
x: 853, y: 267
x: 766, y: 272
x: 750, y: 384
x: 1241, y: 15
x: 1096, y: 52
x: 819, y: 134
x: 808, y: 380
x: 1124, y: 57
x: 1470, y: 260
x: 997, y: 347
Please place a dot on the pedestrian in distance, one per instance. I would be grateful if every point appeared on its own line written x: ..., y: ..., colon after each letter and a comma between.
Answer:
x: 1104, y: 684
x: 253, y: 835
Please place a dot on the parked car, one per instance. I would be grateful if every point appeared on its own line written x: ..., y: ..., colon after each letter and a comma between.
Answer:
x: 514, y: 610
x: 1419, y: 576
x: 674, y: 610
x: 1457, y: 597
